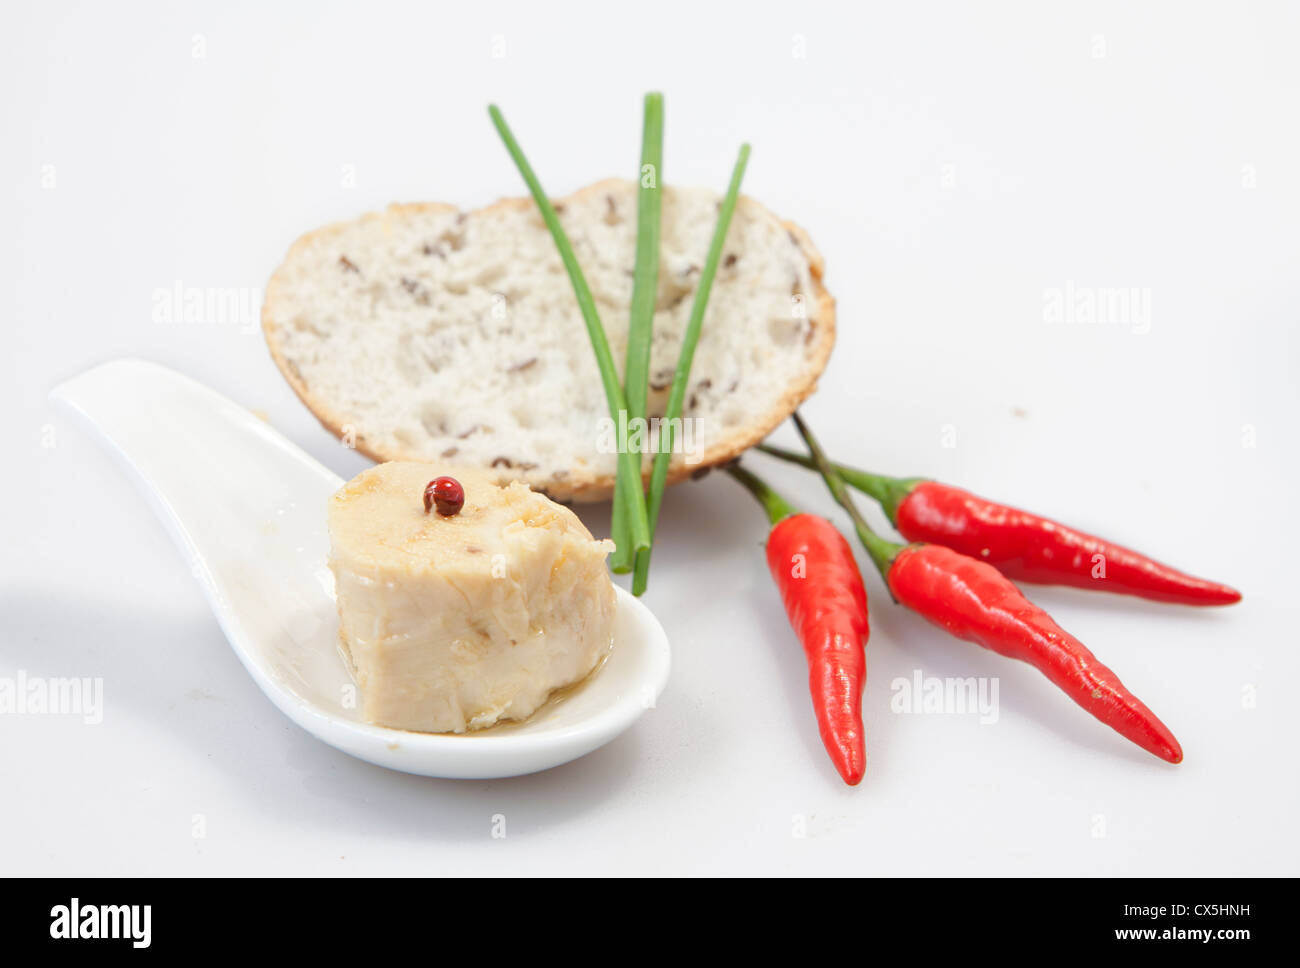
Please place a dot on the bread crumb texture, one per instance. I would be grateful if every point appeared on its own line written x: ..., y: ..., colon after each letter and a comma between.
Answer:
x: 427, y: 333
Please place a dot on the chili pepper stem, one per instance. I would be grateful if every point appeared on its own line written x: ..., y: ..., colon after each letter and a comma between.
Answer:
x: 889, y: 492
x: 882, y: 552
x: 777, y: 507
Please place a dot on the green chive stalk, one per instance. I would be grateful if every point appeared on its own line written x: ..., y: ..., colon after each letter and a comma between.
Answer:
x: 638, y: 522
x: 640, y: 328
x: 677, y: 395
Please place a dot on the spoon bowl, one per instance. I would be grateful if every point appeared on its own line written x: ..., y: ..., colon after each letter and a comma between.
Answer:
x: 247, y: 508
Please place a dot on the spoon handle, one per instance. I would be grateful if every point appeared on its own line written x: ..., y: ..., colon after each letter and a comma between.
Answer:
x: 246, y: 506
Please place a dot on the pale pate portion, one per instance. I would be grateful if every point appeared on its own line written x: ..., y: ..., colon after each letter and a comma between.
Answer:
x: 455, y: 623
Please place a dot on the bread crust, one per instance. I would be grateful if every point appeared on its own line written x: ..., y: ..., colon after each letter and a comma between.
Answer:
x: 581, y: 485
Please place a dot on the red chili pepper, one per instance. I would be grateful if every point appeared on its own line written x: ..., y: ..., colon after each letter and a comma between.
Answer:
x: 1023, y: 546
x: 974, y: 601
x: 826, y: 603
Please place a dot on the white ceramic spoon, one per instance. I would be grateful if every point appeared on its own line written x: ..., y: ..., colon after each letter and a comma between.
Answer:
x: 248, y: 509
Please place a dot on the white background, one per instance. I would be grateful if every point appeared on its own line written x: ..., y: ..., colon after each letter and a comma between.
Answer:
x: 953, y: 165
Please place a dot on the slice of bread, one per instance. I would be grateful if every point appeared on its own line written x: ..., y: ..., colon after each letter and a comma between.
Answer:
x: 427, y: 333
